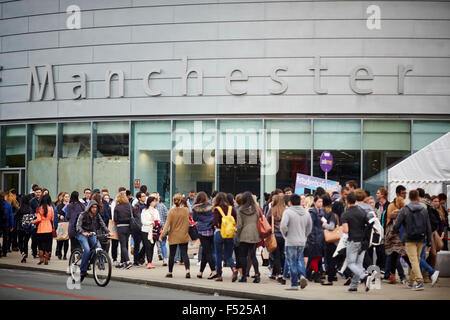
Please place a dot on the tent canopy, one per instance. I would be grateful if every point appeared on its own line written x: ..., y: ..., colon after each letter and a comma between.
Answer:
x: 428, y: 168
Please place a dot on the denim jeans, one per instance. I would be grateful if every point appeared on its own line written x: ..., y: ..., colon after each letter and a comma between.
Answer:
x: 294, y: 256
x: 86, y: 244
x: 163, y: 249
x: 223, y: 247
x: 424, y: 264
x: 355, y: 262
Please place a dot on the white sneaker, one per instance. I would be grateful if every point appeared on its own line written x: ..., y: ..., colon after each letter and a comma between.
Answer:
x: 291, y: 288
x: 303, y: 282
x: 434, y: 278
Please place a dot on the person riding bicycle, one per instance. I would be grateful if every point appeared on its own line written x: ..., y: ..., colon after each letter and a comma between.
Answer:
x: 89, y: 221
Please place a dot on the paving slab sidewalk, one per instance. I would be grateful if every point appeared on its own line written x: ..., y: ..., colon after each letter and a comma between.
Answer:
x: 267, y: 289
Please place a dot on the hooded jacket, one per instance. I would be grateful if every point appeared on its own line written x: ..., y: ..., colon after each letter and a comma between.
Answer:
x: 203, y: 215
x: 86, y: 223
x: 295, y: 226
x: 402, y: 219
x: 247, y: 225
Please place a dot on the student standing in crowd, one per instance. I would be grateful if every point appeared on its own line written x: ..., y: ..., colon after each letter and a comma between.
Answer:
x: 177, y: 226
x: 87, y: 196
x: 276, y: 211
x: 202, y: 213
x: 150, y: 219
x: 44, y: 222
x: 444, y: 214
x: 316, y: 242
x: 7, y: 223
x: 23, y: 236
x: 295, y: 226
x: 223, y: 247
x: 394, y: 246
x: 247, y: 235
x: 11, y: 198
x: 162, y: 210
x: 105, y: 213
x: 416, y: 232
x: 330, y: 223
x: 73, y: 209
x: 114, y: 242
x: 60, y: 244
x: 353, y: 223
x: 122, y: 217
x: 34, y: 203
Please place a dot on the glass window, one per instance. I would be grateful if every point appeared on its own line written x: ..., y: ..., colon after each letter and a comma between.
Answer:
x: 425, y: 132
x: 74, y: 153
x: 42, y: 160
x: 13, y: 146
x: 194, y: 144
x: 288, y: 152
x: 111, y: 157
x: 151, y: 147
x: 385, y: 143
x: 343, y: 139
x: 239, y: 156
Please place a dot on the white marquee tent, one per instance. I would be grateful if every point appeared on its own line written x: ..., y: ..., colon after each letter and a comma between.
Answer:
x: 428, y: 168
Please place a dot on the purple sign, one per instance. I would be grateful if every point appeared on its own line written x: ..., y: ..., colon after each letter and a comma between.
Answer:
x: 326, y: 161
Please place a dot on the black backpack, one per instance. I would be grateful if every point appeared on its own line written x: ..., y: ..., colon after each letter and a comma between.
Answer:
x: 416, y: 225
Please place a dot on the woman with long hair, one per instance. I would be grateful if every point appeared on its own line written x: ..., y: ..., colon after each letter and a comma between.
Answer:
x: 11, y: 198
x: 275, y: 214
x: 315, y: 244
x: 247, y: 234
x: 330, y: 223
x: 150, y: 219
x: 44, y: 221
x: 73, y: 210
x: 202, y: 213
x: 22, y: 236
x: 122, y: 217
x: 60, y: 244
x: 223, y: 247
x: 177, y: 227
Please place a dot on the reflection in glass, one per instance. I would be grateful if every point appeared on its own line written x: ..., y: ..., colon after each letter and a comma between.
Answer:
x: 42, y: 157
x: 385, y: 143
x: 13, y: 146
x: 239, y: 158
x: 289, y: 142
x: 74, y: 165
x: 343, y: 139
x: 111, y: 159
x: 194, y: 144
x: 425, y: 132
x: 151, y: 165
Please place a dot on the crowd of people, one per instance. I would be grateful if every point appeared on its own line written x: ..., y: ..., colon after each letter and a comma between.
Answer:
x: 316, y: 238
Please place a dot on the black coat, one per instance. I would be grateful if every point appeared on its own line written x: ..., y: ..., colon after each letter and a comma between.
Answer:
x: 315, y: 245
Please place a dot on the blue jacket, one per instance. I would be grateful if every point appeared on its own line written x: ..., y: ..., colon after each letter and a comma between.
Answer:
x: 9, y: 217
x: 315, y: 244
x: 106, y: 213
x: 203, y: 215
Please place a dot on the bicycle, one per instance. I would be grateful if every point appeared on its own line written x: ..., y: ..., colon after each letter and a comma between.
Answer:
x: 98, y: 258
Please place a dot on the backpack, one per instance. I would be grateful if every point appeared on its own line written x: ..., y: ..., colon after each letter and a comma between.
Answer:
x: 416, y: 225
x: 28, y: 222
x: 228, y: 227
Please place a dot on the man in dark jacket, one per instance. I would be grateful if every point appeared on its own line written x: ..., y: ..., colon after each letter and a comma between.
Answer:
x: 89, y: 221
x: 416, y: 231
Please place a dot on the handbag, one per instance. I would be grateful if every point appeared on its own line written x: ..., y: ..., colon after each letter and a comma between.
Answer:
x: 437, y: 243
x: 270, y: 242
x: 264, y: 228
x: 333, y: 235
x: 62, y: 232
x: 193, y: 231
x: 135, y: 224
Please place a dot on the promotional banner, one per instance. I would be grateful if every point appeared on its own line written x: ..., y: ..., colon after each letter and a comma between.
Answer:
x: 307, y: 182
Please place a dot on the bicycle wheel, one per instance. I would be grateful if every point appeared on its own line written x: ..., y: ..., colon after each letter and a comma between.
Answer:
x: 102, y: 269
x: 75, y: 264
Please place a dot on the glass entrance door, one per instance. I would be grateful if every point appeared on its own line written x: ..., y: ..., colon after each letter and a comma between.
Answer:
x: 11, y: 180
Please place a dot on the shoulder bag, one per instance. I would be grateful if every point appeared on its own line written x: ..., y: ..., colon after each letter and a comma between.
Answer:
x: 264, y: 228
x: 135, y: 224
x: 271, y: 242
x: 333, y: 235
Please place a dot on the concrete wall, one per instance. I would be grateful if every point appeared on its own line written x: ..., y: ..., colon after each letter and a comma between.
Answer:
x: 137, y: 35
